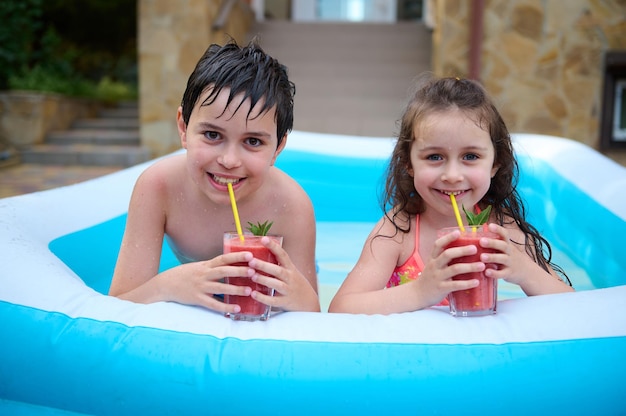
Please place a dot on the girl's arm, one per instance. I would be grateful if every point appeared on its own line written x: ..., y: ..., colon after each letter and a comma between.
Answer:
x: 363, y: 290
x: 517, y: 267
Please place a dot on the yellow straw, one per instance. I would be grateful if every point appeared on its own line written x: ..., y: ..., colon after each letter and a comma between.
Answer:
x: 233, y: 204
x: 457, y: 214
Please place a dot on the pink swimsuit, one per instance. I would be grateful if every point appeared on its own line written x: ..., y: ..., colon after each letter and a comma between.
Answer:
x: 412, y: 267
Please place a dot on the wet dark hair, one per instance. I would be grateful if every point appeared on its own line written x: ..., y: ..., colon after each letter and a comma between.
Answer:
x: 248, y: 70
x: 437, y: 95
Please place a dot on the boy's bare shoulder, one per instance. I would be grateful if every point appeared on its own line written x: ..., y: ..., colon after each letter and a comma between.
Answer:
x: 290, y: 188
x: 290, y: 196
x: 162, y: 174
x: 292, y: 206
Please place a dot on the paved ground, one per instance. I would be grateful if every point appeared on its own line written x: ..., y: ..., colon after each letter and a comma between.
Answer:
x: 26, y: 178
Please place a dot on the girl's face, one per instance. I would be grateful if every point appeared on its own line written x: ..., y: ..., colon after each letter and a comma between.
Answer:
x: 451, y: 154
x: 225, y: 146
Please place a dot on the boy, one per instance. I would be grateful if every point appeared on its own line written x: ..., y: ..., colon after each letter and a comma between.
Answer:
x: 236, y: 113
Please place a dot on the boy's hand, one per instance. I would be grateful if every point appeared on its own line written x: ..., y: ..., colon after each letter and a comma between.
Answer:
x: 293, y: 292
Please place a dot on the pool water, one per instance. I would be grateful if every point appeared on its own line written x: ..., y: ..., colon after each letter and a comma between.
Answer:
x: 339, y: 246
x: 92, y: 253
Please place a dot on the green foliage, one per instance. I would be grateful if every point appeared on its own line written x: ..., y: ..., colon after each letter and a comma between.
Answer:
x: 39, y: 79
x: 112, y: 91
x: 21, y: 19
x: 74, y: 47
x: 99, y: 37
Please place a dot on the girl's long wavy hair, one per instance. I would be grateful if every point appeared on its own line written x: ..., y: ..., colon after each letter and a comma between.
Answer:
x: 437, y: 95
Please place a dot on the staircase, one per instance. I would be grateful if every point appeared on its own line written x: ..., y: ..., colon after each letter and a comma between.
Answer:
x: 351, y: 78
x: 112, y: 139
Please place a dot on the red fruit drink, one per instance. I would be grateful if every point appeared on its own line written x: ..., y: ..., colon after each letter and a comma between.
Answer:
x: 482, y: 299
x: 251, y: 310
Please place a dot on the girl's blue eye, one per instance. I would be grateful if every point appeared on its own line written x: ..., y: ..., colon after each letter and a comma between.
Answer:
x: 212, y: 135
x: 434, y: 157
x: 471, y: 156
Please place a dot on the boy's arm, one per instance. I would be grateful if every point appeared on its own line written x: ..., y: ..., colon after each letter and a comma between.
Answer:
x: 140, y: 252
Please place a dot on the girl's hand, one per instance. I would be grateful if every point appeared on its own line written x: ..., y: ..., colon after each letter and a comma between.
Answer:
x: 293, y: 292
x: 197, y: 283
x: 436, y: 281
x: 513, y: 263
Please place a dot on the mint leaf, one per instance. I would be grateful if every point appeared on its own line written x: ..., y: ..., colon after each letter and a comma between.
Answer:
x: 260, y: 228
x: 477, y: 219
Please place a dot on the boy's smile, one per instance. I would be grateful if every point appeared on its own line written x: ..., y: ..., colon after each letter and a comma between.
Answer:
x: 224, y: 181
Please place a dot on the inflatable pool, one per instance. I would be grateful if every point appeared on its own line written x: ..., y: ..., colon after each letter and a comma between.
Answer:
x: 67, y: 348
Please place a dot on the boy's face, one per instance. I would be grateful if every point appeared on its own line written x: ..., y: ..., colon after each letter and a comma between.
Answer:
x: 225, y: 145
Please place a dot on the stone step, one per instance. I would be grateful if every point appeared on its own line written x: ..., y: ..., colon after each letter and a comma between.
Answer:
x: 129, y: 123
x: 119, y: 112
x: 310, y: 32
x: 94, y: 136
x: 85, y: 154
x: 110, y: 139
x: 127, y: 104
x: 350, y: 78
x: 9, y: 156
x: 355, y: 115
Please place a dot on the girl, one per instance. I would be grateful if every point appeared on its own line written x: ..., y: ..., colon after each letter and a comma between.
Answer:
x: 452, y: 141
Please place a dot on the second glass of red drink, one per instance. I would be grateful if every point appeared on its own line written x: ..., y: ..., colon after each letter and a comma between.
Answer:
x: 482, y: 299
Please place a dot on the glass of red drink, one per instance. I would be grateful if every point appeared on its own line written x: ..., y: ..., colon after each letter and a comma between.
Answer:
x: 482, y: 299
x: 251, y: 310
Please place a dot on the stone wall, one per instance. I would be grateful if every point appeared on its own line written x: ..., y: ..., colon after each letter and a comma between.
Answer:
x: 541, y: 60
x: 173, y: 35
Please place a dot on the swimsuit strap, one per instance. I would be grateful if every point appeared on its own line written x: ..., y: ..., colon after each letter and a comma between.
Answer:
x: 416, y: 252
